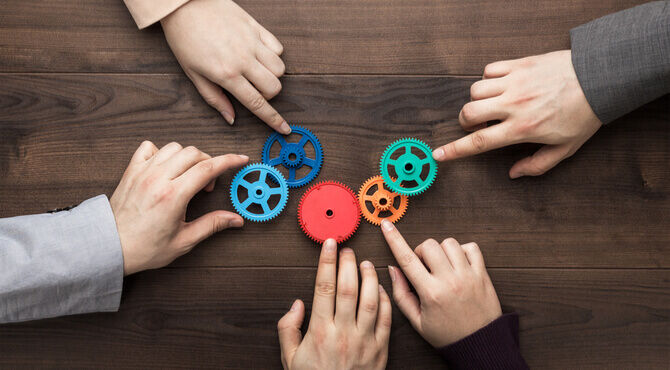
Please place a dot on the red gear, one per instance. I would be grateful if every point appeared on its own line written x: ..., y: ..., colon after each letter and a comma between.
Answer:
x: 329, y: 210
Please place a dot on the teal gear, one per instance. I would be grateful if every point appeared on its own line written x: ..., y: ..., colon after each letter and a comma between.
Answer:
x: 410, y: 176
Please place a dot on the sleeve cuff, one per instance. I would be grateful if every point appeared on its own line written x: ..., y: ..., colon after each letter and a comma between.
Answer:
x: 148, y: 12
x: 59, y: 264
x: 622, y: 60
x: 495, y: 346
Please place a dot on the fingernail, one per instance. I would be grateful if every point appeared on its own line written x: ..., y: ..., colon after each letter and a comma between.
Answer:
x: 244, y: 157
x: 392, y: 273
x: 387, y: 225
x: 347, y: 250
x: 438, y: 154
x: 284, y: 128
x: 237, y: 223
x: 515, y: 175
x: 330, y: 245
x: 294, y: 306
x: 228, y: 117
x: 381, y: 289
x: 367, y: 265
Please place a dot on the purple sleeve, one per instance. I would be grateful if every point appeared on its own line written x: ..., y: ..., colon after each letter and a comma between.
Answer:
x: 495, y: 346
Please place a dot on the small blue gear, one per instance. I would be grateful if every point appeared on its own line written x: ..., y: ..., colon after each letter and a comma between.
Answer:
x: 270, y: 182
x: 292, y: 156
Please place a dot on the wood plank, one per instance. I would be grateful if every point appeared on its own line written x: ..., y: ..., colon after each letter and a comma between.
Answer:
x: 226, y: 318
x: 68, y: 137
x: 333, y: 36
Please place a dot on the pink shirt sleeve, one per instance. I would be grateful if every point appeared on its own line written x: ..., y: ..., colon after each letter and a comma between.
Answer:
x: 148, y: 12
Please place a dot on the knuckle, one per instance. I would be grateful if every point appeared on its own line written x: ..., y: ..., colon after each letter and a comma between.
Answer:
x: 256, y: 103
x: 326, y: 289
x: 489, y: 69
x: 210, y: 99
x: 205, y: 167
x: 478, y: 141
x: 472, y: 247
x: 347, y: 292
x: 468, y: 112
x: 276, y: 88
x: 370, y: 307
x: 227, y: 73
x: 191, y: 150
x: 406, y: 259
x: 476, y: 90
x: 165, y: 194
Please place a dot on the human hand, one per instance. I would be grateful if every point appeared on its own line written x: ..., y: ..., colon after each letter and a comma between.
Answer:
x: 217, y: 44
x: 338, y: 337
x: 539, y: 100
x: 150, y: 202
x: 455, y: 294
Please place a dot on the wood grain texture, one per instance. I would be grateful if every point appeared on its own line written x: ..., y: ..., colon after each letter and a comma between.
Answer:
x: 69, y: 137
x: 333, y: 36
x: 226, y: 318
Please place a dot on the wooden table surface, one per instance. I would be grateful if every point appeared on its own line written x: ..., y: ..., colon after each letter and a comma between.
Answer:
x: 582, y: 253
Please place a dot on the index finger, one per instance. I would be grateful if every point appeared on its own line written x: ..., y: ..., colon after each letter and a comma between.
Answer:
x: 323, y: 306
x: 481, y: 141
x: 202, y: 173
x: 256, y: 103
x: 407, y: 260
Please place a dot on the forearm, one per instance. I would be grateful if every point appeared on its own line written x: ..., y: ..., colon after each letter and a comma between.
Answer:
x: 148, y: 12
x: 60, y: 264
x: 622, y: 60
x: 495, y: 346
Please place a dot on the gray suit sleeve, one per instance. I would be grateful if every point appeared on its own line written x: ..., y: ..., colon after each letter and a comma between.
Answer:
x: 60, y: 264
x: 622, y: 60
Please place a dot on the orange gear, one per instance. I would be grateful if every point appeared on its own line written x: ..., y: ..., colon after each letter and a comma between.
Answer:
x: 381, y: 200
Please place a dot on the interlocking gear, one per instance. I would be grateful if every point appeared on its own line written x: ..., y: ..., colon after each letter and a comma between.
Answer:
x: 379, y: 203
x: 292, y: 156
x: 259, y: 192
x: 408, y: 167
x: 329, y: 210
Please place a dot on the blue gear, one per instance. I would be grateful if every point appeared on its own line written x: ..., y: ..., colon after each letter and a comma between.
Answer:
x: 292, y: 155
x: 259, y: 192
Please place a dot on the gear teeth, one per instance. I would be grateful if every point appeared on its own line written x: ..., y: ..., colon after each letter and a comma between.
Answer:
x: 301, y: 204
x: 375, y: 220
x: 425, y: 183
x: 318, y: 149
x: 259, y: 167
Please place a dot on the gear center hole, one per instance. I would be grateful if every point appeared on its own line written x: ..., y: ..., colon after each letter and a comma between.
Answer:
x: 383, y: 201
x: 329, y: 213
x: 292, y: 157
x: 259, y: 192
x: 408, y: 167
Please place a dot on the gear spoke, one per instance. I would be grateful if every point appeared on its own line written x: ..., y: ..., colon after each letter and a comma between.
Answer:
x: 247, y: 203
x: 274, y: 191
x: 292, y: 154
x: 245, y: 184
x: 258, y: 194
x: 412, y: 166
x: 309, y: 162
x: 291, y: 174
x: 378, y: 205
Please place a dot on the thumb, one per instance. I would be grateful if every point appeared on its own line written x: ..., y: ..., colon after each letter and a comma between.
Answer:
x: 289, y: 332
x: 204, y: 226
x: 542, y: 161
x: 214, y: 96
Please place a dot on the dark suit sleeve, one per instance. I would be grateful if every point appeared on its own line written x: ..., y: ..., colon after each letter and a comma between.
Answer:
x: 495, y: 346
x: 622, y: 60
